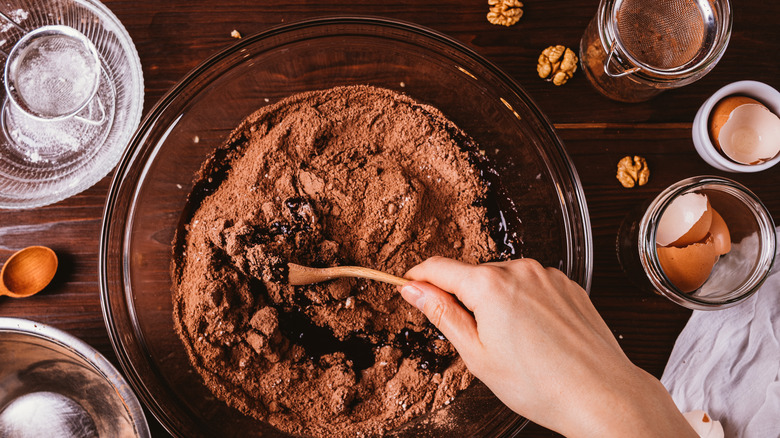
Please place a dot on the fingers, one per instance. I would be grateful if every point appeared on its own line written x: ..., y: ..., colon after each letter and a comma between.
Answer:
x: 443, y: 272
x: 446, y: 313
x: 474, y: 284
x: 449, y: 275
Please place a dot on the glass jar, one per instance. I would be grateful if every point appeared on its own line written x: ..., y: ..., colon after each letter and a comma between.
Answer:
x: 633, y: 50
x: 735, y: 276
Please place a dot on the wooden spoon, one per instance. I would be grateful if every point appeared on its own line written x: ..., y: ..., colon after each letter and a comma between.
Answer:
x: 28, y: 271
x: 300, y: 275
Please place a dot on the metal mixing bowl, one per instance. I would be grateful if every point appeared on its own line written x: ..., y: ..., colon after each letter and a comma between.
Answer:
x: 55, y: 385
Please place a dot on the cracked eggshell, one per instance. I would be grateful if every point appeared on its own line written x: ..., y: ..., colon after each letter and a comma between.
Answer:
x: 722, y: 111
x: 705, y: 426
x: 720, y: 233
x: 685, y: 221
x: 690, y: 266
x: 745, y: 130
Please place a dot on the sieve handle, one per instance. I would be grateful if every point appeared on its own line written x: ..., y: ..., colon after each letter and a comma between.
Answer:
x: 91, y: 121
x: 608, y: 61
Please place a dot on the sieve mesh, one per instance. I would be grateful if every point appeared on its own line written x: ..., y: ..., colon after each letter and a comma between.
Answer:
x: 54, y: 75
x: 663, y: 34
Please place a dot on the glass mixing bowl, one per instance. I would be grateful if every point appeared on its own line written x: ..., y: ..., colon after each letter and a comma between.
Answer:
x: 149, y: 191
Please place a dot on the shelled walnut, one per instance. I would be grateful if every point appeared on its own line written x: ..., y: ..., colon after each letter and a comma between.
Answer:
x: 504, y: 12
x: 633, y: 171
x: 557, y: 64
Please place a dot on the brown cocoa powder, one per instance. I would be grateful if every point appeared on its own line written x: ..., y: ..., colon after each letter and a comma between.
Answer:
x: 350, y: 175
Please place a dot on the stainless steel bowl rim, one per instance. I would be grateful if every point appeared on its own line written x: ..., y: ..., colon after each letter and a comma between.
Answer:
x: 89, y: 355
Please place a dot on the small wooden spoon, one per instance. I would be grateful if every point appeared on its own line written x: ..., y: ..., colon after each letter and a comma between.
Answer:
x: 28, y: 271
x: 300, y: 275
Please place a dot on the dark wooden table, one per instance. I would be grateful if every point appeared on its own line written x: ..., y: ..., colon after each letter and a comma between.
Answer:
x: 173, y: 36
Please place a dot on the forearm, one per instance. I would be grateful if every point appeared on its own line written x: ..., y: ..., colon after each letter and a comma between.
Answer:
x: 636, y: 405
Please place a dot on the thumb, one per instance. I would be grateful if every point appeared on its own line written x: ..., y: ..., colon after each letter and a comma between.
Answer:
x: 447, y: 314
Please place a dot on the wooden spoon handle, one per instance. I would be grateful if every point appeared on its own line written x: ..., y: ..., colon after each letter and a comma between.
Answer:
x: 300, y: 275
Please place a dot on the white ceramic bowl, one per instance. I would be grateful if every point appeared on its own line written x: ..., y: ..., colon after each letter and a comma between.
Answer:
x: 701, y: 135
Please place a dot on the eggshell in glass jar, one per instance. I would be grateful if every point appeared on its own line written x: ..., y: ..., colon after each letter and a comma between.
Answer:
x: 690, y: 266
x: 685, y: 221
x: 721, y: 236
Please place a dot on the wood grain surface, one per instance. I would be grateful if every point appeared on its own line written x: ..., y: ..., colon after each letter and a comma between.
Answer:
x: 174, y: 36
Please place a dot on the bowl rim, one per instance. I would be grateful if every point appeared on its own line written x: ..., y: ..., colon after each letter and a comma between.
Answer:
x: 88, y: 355
x: 135, y: 149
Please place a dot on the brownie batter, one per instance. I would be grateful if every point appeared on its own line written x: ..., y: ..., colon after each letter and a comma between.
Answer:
x: 346, y: 176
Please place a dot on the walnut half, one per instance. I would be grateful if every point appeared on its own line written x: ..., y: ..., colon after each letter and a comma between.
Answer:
x: 631, y: 172
x: 504, y: 12
x: 557, y: 64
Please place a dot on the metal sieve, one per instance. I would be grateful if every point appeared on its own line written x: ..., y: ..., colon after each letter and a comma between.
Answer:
x: 634, y: 49
x: 665, y: 37
x: 53, y: 73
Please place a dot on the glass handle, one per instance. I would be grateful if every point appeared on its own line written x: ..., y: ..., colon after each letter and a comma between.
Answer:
x: 98, y: 121
x: 608, y: 60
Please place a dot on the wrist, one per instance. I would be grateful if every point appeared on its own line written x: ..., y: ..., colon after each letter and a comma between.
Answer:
x: 632, y: 403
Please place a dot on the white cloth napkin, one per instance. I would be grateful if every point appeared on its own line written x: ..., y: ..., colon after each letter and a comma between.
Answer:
x: 727, y: 363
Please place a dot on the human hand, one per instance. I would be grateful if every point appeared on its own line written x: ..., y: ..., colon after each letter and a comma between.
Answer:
x: 535, y: 339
